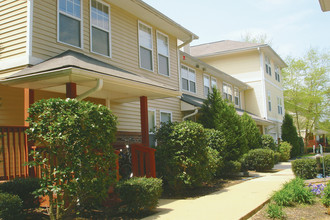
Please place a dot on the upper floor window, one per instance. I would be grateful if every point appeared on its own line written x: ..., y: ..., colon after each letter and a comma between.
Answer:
x: 165, y: 116
x: 237, y: 99
x: 163, y: 54
x: 206, y: 85
x: 69, y: 22
x: 100, y: 28
x: 214, y: 83
x: 188, y: 79
x: 227, y: 92
x: 269, y: 102
x: 279, y: 106
x: 145, y: 47
x: 277, y: 74
x: 268, y: 66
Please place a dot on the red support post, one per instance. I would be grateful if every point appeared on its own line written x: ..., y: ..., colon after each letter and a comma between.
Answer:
x: 144, y: 120
x: 30, y: 171
x: 71, y: 90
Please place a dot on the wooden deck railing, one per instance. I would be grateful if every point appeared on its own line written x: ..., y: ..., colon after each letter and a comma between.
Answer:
x: 143, y: 161
x: 14, y: 152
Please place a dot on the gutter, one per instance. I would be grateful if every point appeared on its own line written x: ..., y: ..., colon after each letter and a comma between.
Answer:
x: 98, y: 87
x: 190, y: 115
x: 187, y: 42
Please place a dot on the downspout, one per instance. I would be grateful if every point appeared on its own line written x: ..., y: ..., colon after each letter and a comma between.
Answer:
x: 187, y: 42
x: 190, y: 115
x: 98, y: 87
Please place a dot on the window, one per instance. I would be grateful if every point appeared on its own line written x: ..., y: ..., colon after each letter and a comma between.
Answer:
x: 152, y: 126
x: 69, y: 22
x: 227, y: 92
x: 165, y: 116
x: 237, y: 99
x: 163, y: 54
x: 268, y: 66
x: 279, y: 106
x: 100, y: 28
x: 269, y: 102
x: 206, y: 85
x: 277, y: 74
x: 214, y: 83
x: 145, y: 47
x: 188, y: 78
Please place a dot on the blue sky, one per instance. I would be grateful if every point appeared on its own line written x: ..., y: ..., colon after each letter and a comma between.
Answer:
x: 292, y: 25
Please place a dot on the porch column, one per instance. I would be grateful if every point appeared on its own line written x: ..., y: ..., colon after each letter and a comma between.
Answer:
x: 144, y: 120
x: 71, y: 90
x: 28, y: 101
x: 26, y: 105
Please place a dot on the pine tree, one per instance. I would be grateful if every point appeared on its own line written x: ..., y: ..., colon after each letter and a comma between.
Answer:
x: 289, y: 134
x: 251, y: 132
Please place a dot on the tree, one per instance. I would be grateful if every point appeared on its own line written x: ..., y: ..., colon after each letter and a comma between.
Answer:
x: 218, y: 114
x: 289, y: 134
x: 306, y: 89
x: 256, y: 38
x: 77, y: 162
x: 251, y: 132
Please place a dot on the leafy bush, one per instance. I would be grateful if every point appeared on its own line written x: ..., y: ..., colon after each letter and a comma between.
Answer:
x: 275, y: 211
x: 10, y: 206
x: 268, y: 142
x: 277, y: 157
x: 326, y: 159
x: 230, y: 168
x: 216, y: 143
x: 24, y: 188
x: 284, y: 149
x: 289, y: 134
x: 259, y: 159
x: 139, y: 194
x: 304, y: 168
x: 182, y: 156
x: 251, y: 132
x: 326, y: 197
x: 301, y: 144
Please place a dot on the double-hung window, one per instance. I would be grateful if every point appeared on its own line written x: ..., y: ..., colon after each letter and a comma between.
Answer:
x: 269, y: 102
x: 237, y: 99
x: 145, y: 47
x: 69, y: 22
x: 163, y: 54
x: 165, y: 116
x: 100, y: 28
x: 227, y: 92
x: 277, y: 74
x: 206, y: 85
x: 279, y: 106
x: 188, y: 79
x: 268, y: 66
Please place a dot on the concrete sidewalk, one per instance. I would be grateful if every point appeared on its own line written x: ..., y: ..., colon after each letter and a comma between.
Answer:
x: 234, y: 202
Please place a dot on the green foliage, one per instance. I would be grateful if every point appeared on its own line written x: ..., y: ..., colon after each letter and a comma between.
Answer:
x: 259, y: 159
x: 277, y: 157
x: 275, y: 211
x: 284, y: 149
x: 218, y: 114
x: 23, y: 188
x: 293, y: 192
x: 78, y: 134
x: 268, y: 142
x: 304, y: 168
x: 231, y: 167
x: 216, y: 143
x: 326, y: 159
x: 289, y: 134
x: 251, y: 132
x: 301, y: 144
x: 10, y: 207
x: 139, y: 194
x: 326, y: 196
x: 182, y: 156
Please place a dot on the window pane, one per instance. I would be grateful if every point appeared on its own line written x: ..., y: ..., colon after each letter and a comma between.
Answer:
x: 206, y: 81
x: 163, y: 65
x: 151, y: 121
x: 69, y: 8
x: 184, y: 72
x: 192, y: 86
x: 62, y: 5
x: 192, y: 75
x: 76, y: 11
x: 145, y: 36
x: 214, y: 83
x: 146, y: 58
x: 236, y: 101
x: 100, y: 42
x: 206, y: 90
x: 165, y: 117
x: 185, y: 84
x: 69, y: 29
x: 162, y: 45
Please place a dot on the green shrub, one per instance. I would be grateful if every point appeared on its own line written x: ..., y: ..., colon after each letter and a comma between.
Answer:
x: 230, y: 168
x: 304, y: 168
x: 277, y: 157
x: 216, y: 143
x: 10, y: 206
x: 182, y: 156
x: 139, y: 194
x: 259, y: 159
x: 284, y: 149
x: 275, y: 211
x: 24, y: 188
x: 326, y: 196
x: 251, y: 132
x: 268, y: 142
x: 326, y: 159
x: 289, y: 134
x: 301, y: 145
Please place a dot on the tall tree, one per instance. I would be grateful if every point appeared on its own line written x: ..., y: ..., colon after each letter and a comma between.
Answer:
x: 289, y: 134
x: 251, y: 132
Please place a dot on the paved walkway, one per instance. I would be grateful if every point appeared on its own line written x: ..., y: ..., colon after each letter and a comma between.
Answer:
x: 234, y: 202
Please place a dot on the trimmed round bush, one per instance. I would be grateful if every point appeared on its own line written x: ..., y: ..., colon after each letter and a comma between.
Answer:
x: 304, y: 168
x: 24, y: 188
x: 259, y: 159
x: 10, y: 207
x: 139, y: 194
x: 285, y: 150
x: 268, y: 142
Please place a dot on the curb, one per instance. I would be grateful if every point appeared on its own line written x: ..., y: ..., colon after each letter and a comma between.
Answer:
x: 254, y: 211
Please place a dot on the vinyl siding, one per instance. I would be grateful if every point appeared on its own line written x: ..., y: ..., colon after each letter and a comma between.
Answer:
x: 11, y: 106
x: 274, y: 92
x: 13, y: 25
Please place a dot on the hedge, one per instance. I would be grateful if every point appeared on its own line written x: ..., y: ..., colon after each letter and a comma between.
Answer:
x: 10, y: 207
x: 304, y: 168
x: 285, y: 150
x: 259, y: 159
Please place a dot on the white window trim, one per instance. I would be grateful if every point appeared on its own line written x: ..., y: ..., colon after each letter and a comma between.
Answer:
x: 152, y: 46
x: 168, y: 47
x: 216, y: 83
x: 188, y: 80
x: 81, y: 25
x: 155, y: 118
x: 210, y: 89
x: 228, y: 85
x: 164, y: 111
x: 90, y: 29
x: 239, y: 98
